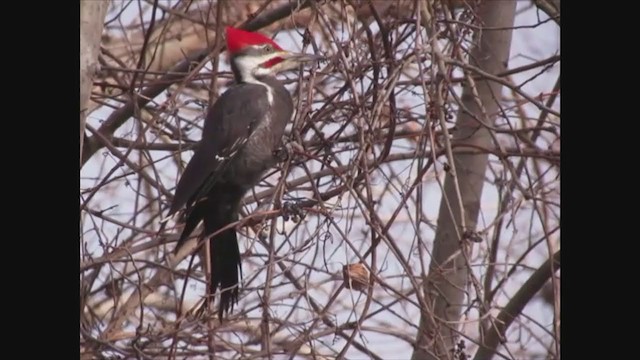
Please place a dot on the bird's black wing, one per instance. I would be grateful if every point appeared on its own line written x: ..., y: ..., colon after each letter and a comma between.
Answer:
x: 227, y: 127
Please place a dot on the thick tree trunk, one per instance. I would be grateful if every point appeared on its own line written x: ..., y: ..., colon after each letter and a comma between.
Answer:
x: 445, y: 288
x: 92, y: 13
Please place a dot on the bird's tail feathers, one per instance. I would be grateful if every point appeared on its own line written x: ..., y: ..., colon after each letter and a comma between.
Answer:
x: 224, y: 255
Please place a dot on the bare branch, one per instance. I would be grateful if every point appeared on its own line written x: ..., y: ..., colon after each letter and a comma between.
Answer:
x: 460, y: 205
x: 510, y: 312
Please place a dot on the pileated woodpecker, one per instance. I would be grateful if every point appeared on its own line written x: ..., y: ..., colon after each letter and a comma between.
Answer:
x: 242, y: 132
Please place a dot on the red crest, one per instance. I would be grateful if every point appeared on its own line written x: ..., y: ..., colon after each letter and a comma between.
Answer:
x: 239, y: 39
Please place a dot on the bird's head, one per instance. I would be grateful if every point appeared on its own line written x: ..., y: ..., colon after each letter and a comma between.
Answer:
x: 254, y: 55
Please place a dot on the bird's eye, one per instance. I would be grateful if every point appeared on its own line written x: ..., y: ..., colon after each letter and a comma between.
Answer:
x: 268, y: 48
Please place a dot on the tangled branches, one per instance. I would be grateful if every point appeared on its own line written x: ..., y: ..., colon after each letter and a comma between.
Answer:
x: 338, y: 239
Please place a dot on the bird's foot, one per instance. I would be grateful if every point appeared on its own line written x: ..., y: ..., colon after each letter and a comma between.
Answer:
x: 286, y: 151
x: 291, y: 210
x: 281, y: 154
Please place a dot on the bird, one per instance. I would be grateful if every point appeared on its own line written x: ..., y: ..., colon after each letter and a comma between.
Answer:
x: 241, y: 135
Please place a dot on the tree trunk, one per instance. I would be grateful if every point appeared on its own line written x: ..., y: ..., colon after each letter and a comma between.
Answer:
x: 92, y: 13
x: 445, y: 286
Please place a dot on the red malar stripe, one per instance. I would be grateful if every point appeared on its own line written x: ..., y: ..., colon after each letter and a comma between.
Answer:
x: 270, y: 63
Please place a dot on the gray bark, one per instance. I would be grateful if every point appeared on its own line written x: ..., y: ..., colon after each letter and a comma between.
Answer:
x: 550, y: 7
x: 445, y: 285
x: 92, y: 13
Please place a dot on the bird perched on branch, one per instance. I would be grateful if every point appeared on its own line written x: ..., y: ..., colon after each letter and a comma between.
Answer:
x: 242, y: 132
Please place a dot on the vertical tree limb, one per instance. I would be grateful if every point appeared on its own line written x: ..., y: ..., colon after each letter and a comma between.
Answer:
x: 92, y: 15
x: 448, y: 271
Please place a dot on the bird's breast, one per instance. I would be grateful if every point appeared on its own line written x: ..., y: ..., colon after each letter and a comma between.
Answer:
x: 257, y: 155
